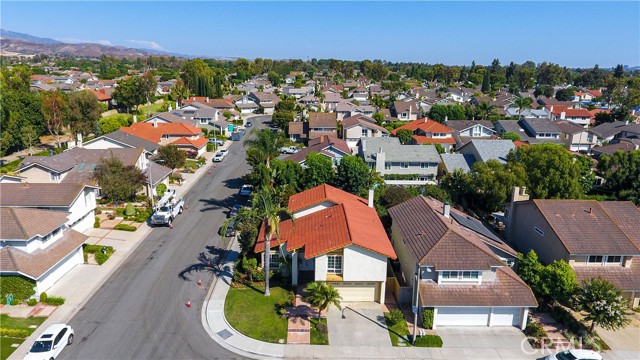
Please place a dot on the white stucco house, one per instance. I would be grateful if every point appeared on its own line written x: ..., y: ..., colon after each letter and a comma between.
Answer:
x: 336, y: 238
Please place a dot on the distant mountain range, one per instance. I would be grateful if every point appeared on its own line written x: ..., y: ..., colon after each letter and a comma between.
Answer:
x: 25, y: 44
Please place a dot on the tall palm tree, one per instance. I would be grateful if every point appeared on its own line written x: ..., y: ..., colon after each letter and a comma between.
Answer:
x: 264, y: 147
x: 322, y: 295
x: 266, y: 208
x: 522, y: 103
x: 485, y: 109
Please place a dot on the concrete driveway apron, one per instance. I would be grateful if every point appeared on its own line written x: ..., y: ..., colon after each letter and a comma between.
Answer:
x: 363, y: 325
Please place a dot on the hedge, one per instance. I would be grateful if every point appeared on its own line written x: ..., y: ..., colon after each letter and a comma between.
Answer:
x: 54, y: 300
x: 96, y: 250
x: 125, y: 227
x: 429, y: 341
x: 427, y: 318
x: 21, y: 288
x: 96, y: 222
x: 15, y: 333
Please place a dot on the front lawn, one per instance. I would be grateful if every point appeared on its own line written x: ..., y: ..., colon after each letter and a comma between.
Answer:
x: 7, y: 322
x: 250, y: 312
x: 319, y: 337
x: 397, y: 331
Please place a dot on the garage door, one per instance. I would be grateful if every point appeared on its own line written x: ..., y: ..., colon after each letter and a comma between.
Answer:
x: 357, y: 291
x: 460, y: 316
x: 506, y: 316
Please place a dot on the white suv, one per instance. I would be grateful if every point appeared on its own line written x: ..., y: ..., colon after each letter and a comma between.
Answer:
x: 49, y: 345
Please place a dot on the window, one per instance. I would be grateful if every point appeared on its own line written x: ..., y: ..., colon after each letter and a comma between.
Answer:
x: 387, y: 166
x: 54, y: 176
x: 334, y: 264
x: 424, y: 165
x: 404, y: 165
x: 616, y: 259
x: 589, y: 137
x: 365, y: 133
x: 274, y: 260
x: 460, y: 275
x: 404, y: 115
x: 536, y: 229
x: 59, y: 336
x: 595, y: 259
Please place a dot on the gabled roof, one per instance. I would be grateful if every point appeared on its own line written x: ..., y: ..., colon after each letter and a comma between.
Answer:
x: 349, y: 222
x: 461, y: 125
x: 323, y: 120
x: 568, y: 127
x: 198, y: 143
x: 37, y: 263
x: 593, y: 227
x: 396, y: 152
x: 127, y: 139
x: 39, y: 194
x: 489, y: 149
x: 319, y: 145
x: 462, y: 162
x: 447, y: 243
x: 426, y: 125
x: 82, y: 159
x: 298, y: 128
x: 154, y: 132
x: 364, y: 121
x: 25, y: 223
x: 608, y: 129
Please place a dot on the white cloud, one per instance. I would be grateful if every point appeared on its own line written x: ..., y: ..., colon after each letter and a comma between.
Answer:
x: 84, y: 41
x: 105, y: 42
x: 147, y: 44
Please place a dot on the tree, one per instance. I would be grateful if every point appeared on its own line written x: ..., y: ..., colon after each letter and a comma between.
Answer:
x: 147, y: 85
x: 621, y: 173
x: 558, y: 281
x: 321, y: 295
x: 379, y: 118
x: 510, y: 135
x: 179, y: 91
x: 128, y: 93
x: 440, y: 113
x: 484, y: 110
x: 394, y: 195
x: 264, y: 147
x: 587, y: 176
x: 544, y: 90
x: 618, y: 71
x: 353, y: 175
x: 282, y: 118
x: 530, y: 269
x: 492, y: 183
x: 564, y: 94
x: 404, y: 135
x: 84, y: 112
x: 486, y: 83
x: 522, y: 103
x: 604, y: 304
x: 118, y: 182
x: 551, y: 171
x: 318, y: 170
x: 29, y: 135
x: 197, y: 75
x: 55, y: 107
x: 172, y: 156
x: 439, y: 148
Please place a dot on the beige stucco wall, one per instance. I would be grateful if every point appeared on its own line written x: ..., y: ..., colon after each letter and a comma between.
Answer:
x: 405, y: 256
x: 36, y: 174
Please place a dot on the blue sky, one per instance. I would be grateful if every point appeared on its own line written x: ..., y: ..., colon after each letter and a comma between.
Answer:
x: 574, y: 34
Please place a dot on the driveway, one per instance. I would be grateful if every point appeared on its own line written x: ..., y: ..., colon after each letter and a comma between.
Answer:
x: 626, y: 339
x: 363, y: 325
x: 486, y: 342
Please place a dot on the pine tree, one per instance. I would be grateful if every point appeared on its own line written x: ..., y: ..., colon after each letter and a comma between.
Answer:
x: 486, y: 83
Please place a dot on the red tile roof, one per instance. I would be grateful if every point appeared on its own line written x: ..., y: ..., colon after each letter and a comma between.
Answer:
x: 349, y: 222
x: 197, y: 143
x: 101, y: 95
x: 421, y: 139
x: 153, y: 133
x: 426, y: 125
x: 595, y: 93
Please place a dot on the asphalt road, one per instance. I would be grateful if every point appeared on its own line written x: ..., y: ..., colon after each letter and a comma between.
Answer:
x: 141, y: 312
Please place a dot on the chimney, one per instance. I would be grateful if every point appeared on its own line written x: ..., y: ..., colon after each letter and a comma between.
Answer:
x: 207, y: 100
x: 135, y: 118
x: 380, y: 150
x: 446, y: 209
x: 446, y: 118
x: 551, y: 110
x: 155, y: 123
x: 79, y: 140
x: 563, y: 115
x: 519, y: 194
x: 425, y: 119
x: 370, y: 203
x: 169, y: 109
x: 176, y: 105
x: 590, y: 210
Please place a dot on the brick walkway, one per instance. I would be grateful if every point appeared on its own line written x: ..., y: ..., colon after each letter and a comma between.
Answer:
x: 25, y: 311
x: 554, y: 331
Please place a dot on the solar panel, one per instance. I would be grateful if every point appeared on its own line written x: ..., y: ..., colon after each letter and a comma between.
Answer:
x: 475, y: 225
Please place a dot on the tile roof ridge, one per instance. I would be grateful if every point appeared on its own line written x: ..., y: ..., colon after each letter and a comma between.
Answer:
x: 14, y: 261
x: 536, y: 202
x: 617, y: 225
x: 437, y: 242
x: 19, y: 223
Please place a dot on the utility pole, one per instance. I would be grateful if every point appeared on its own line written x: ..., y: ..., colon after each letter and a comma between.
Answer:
x: 415, y: 304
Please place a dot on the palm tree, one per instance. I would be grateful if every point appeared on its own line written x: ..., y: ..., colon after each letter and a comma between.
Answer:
x: 522, y: 103
x: 264, y: 147
x: 484, y: 110
x: 322, y: 295
x: 179, y: 91
x: 265, y: 207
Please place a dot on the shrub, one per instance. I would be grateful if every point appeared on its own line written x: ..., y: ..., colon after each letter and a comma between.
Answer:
x: 129, y: 210
x: 32, y: 302
x: 427, y: 318
x: 15, y: 302
x: 54, y: 300
x: 161, y: 189
x: 96, y: 222
x: 97, y: 251
x: 15, y: 333
x: 322, y: 328
x: 125, y: 227
x: 20, y: 287
x: 394, y: 316
x: 429, y: 341
x: 534, y: 330
x: 210, y: 147
x: 43, y: 296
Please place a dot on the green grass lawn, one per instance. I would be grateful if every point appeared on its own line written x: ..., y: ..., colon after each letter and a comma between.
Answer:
x: 7, y: 322
x: 254, y: 315
x: 318, y: 338
x: 398, y: 330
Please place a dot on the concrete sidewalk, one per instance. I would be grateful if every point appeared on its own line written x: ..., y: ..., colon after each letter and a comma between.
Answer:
x: 79, y: 284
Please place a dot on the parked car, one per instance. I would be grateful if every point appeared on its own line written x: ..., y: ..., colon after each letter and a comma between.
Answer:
x: 248, y: 124
x: 49, y: 345
x: 575, y: 354
x: 231, y: 229
x: 234, y: 210
x: 289, y: 149
x: 216, y: 141
x: 246, y: 190
x: 224, y: 152
x: 218, y: 157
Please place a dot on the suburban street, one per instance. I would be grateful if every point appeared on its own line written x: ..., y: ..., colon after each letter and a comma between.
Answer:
x: 141, y: 312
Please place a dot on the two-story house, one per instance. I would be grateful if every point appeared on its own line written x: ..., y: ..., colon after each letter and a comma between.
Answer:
x: 184, y: 136
x: 465, y: 130
x: 406, y: 110
x: 336, y: 238
x: 267, y: 100
x: 360, y: 126
x: 427, y: 131
x: 246, y: 105
x: 329, y: 146
x: 360, y: 93
x: 474, y: 151
x: 597, y: 238
x: 576, y: 137
x: 38, y: 244
x: 580, y: 117
x: 400, y: 164
x: 459, y: 268
x: 322, y: 124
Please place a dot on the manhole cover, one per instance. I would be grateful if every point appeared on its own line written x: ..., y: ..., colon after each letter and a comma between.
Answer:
x: 225, y: 334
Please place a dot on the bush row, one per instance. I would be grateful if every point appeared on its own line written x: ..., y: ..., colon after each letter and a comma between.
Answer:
x: 15, y: 333
x: 429, y: 341
x: 125, y: 227
x: 21, y: 288
x: 96, y: 250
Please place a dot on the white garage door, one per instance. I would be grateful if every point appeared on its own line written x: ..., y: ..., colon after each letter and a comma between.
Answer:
x: 461, y: 316
x: 505, y: 316
x: 357, y: 291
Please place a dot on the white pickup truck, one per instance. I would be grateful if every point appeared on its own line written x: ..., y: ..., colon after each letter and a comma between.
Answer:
x: 167, y: 210
x: 289, y: 149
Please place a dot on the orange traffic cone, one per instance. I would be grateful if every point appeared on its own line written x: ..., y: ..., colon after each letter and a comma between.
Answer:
x: 188, y: 304
x: 199, y: 282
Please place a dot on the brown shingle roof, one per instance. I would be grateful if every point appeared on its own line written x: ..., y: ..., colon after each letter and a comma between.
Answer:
x: 25, y: 223
x: 319, y: 145
x: 506, y: 290
x: 39, y: 195
x: 586, y: 227
x: 323, y: 120
x: 623, y: 278
x: 37, y: 263
x: 297, y: 128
